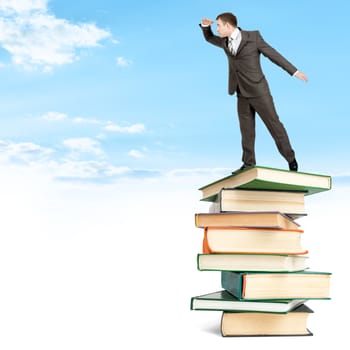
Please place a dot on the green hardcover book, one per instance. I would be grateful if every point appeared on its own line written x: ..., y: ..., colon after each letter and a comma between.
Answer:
x: 277, y: 285
x: 225, y: 301
x: 269, y: 179
x: 248, y: 324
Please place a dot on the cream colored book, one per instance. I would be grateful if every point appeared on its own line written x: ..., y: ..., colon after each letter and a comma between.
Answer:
x: 277, y: 285
x: 294, y: 323
x: 251, y: 262
x: 235, y: 200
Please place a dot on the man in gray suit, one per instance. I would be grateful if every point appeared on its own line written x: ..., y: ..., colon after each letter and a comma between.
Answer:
x: 247, y: 80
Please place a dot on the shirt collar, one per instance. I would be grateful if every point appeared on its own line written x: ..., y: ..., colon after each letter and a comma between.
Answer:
x: 235, y: 34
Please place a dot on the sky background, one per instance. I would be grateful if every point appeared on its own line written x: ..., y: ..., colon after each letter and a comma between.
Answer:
x: 115, y: 88
x: 113, y: 114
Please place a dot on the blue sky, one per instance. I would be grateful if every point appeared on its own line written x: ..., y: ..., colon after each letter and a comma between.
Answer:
x: 113, y: 88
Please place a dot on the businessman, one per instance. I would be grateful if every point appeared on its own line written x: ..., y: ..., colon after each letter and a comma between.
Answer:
x: 247, y: 80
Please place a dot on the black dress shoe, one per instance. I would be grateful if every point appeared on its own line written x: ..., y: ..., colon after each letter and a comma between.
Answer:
x: 244, y: 166
x: 293, y: 165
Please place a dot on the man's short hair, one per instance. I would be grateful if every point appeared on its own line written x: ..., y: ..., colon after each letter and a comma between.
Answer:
x: 228, y: 17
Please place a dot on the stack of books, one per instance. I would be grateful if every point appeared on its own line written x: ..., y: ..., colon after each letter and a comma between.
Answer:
x: 251, y: 236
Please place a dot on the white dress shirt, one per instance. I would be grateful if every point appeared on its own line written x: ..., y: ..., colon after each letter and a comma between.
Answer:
x: 235, y: 40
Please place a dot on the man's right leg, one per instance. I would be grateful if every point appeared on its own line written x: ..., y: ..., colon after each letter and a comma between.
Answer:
x: 265, y: 107
x: 246, y: 117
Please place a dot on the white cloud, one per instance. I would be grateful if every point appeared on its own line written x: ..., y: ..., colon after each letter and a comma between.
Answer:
x: 83, y: 145
x: 85, y: 170
x: 123, y: 62
x: 54, y: 116
x: 135, y: 153
x: 101, y: 136
x: 137, y: 128
x: 132, y: 129
x: 58, y: 116
x: 23, y: 151
x: 78, y: 169
x: 117, y: 170
x: 189, y: 172
x: 20, y: 6
x: 80, y: 120
x: 85, y: 160
x: 37, y: 39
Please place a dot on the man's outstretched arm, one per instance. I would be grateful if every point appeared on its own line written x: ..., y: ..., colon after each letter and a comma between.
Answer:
x: 278, y: 59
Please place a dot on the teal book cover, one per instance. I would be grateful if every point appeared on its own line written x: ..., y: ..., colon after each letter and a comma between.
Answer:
x: 269, y: 179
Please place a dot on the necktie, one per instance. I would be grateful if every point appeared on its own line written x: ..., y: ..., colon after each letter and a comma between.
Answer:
x: 231, y: 46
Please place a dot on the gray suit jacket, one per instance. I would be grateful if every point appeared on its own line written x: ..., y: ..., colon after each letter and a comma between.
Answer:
x: 244, y: 68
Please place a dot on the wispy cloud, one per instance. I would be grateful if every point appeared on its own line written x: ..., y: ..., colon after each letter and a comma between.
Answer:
x: 136, y: 128
x: 54, y: 116
x: 80, y: 120
x: 36, y: 38
x: 123, y: 62
x: 213, y: 173
x: 94, y: 171
x: 135, y: 153
x: 86, y: 161
x: 22, y: 6
x: 132, y: 129
x: 24, y: 152
x: 91, y: 170
x: 83, y: 145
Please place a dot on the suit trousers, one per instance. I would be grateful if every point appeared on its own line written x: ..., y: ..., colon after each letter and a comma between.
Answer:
x: 264, y: 106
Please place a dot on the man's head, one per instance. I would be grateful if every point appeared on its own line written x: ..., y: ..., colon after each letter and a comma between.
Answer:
x: 226, y: 23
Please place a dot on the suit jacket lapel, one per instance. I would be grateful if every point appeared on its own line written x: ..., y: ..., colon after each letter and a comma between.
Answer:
x: 243, y: 41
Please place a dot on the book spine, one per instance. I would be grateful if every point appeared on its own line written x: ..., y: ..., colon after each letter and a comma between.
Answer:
x: 232, y: 282
x: 198, y: 262
x: 205, y: 247
x: 196, y: 219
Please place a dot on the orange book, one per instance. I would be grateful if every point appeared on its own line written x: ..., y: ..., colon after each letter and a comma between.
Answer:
x: 228, y: 240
